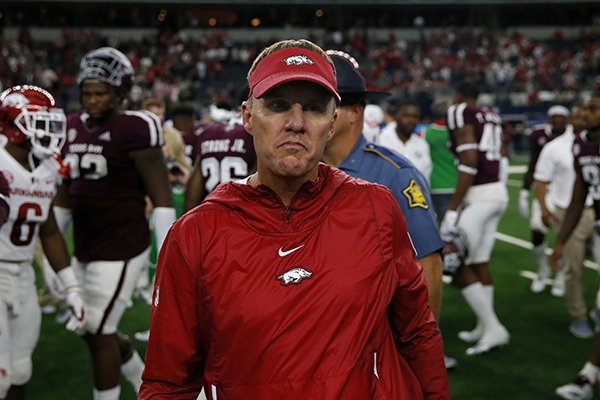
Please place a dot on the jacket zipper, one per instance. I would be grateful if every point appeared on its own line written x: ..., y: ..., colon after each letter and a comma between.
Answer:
x: 288, y: 213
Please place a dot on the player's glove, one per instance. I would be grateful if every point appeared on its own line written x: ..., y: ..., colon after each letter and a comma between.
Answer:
x: 524, y: 203
x: 448, y: 224
x: 73, y: 298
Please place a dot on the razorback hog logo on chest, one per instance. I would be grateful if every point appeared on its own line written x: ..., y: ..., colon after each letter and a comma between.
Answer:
x: 299, y: 59
x: 294, y: 276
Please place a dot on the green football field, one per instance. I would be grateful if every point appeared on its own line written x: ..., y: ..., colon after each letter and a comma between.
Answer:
x: 542, y: 353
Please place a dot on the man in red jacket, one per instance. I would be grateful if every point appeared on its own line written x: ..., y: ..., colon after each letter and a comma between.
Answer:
x: 298, y: 282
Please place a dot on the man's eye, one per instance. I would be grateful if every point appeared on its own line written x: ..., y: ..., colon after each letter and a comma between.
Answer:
x: 278, y: 105
x: 313, y: 107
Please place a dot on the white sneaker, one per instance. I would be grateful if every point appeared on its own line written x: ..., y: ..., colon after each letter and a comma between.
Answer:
x: 538, y: 284
x: 471, y: 336
x: 495, y: 338
x: 578, y: 389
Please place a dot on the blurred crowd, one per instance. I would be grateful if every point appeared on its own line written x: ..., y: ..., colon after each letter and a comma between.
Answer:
x: 175, y: 67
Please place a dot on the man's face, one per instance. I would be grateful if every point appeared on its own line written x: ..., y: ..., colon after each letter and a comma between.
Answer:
x: 559, y: 124
x: 592, y: 114
x: 98, y: 99
x: 291, y: 124
x: 578, y: 118
x: 407, y: 119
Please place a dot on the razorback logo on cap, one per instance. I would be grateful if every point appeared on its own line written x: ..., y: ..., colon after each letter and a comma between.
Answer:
x: 298, y: 60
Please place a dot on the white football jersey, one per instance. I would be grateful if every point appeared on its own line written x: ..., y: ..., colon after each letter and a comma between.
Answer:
x: 31, y: 194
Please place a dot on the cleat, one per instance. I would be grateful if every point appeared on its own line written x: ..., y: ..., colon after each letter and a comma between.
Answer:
x: 578, y: 389
x: 472, y: 336
x: 450, y: 362
x: 496, y: 338
x: 581, y: 328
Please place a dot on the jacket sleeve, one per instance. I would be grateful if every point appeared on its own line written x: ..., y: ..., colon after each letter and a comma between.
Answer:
x: 413, y: 325
x: 174, y: 357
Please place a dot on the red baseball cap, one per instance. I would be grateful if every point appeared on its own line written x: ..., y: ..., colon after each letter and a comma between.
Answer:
x: 292, y: 64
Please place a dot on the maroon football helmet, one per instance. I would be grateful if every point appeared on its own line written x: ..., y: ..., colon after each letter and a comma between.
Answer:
x: 29, y: 112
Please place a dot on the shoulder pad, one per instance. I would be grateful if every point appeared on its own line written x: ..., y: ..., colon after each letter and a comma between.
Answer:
x: 393, y: 158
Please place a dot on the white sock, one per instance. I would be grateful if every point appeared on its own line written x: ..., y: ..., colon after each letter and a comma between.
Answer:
x: 489, y: 294
x: 590, y: 371
x: 108, y: 394
x: 132, y: 370
x: 478, y: 300
x: 542, y: 260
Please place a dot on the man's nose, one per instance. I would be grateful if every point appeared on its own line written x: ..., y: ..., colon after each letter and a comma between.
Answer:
x: 296, y: 120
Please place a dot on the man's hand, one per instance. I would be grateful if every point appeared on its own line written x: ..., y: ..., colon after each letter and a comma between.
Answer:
x: 524, y: 203
x: 556, y: 257
x: 73, y: 298
x: 76, y: 305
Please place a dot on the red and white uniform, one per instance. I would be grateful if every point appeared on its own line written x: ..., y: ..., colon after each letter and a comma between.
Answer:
x: 107, y: 200
x: 254, y: 300
x: 486, y: 200
x: 31, y: 194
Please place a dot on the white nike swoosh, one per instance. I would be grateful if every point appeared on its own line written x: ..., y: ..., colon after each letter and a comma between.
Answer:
x: 285, y: 253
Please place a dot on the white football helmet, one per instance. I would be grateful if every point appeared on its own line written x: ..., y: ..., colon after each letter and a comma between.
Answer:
x: 29, y: 112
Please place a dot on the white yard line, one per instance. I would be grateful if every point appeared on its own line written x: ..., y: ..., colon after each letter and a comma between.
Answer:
x: 527, y: 245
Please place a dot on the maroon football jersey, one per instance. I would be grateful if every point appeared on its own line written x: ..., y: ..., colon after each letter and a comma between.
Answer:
x: 226, y: 153
x: 190, y: 140
x: 587, y: 160
x: 106, y: 193
x: 539, y: 136
x: 487, y: 125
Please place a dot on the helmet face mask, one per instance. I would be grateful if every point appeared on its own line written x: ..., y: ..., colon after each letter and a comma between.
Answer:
x: 107, y: 65
x: 30, y: 113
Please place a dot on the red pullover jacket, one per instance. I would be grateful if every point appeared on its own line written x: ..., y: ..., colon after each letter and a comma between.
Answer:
x: 322, y: 300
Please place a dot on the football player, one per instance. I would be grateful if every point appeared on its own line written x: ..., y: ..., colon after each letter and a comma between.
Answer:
x: 225, y: 152
x: 587, y: 182
x: 35, y: 129
x: 540, y: 135
x: 115, y: 160
x: 477, y: 205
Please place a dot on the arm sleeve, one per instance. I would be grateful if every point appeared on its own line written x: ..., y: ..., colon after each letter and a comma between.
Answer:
x: 413, y: 324
x: 174, y: 357
x: 412, y: 194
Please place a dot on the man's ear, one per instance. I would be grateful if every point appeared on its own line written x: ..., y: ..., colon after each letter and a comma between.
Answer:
x: 247, y: 115
x: 332, y: 126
